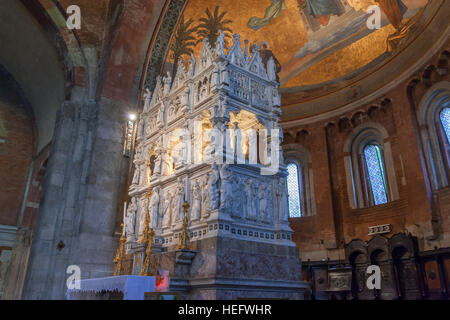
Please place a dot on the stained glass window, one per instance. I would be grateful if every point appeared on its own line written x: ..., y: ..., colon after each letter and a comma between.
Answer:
x: 376, y: 173
x: 445, y: 120
x: 294, y: 190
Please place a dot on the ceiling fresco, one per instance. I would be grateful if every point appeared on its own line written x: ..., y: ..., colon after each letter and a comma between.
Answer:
x: 314, y: 41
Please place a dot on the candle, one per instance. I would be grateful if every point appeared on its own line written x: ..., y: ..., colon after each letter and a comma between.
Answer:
x: 124, y: 217
x: 186, y: 190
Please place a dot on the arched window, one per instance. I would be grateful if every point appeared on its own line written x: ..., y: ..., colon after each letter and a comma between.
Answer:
x: 369, y: 167
x: 300, y: 181
x: 376, y: 176
x: 445, y: 121
x: 294, y: 184
x: 433, y: 117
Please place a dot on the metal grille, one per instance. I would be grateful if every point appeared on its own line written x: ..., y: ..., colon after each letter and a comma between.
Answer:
x: 294, y: 190
x: 375, y: 168
x: 445, y: 120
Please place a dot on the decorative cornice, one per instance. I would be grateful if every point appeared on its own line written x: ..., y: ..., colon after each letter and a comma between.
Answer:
x: 159, y: 48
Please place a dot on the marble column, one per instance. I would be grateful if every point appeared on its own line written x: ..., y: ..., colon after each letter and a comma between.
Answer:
x: 78, y: 209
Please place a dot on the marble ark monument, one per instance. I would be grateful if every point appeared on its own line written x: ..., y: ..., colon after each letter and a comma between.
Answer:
x: 198, y: 141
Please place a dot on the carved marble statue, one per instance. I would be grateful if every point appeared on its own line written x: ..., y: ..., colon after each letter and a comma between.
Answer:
x: 225, y: 75
x: 245, y: 144
x: 158, y: 162
x: 167, y: 211
x: 210, y: 149
x: 136, y: 174
x: 203, y: 92
x: 178, y: 201
x: 226, y: 187
x: 167, y: 82
x: 215, y: 77
x: 238, y: 208
x: 177, y: 154
x: 154, y: 207
x: 160, y: 116
x: 142, y: 170
x: 276, y: 101
x: 130, y: 221
x: 185, y: 98
x: 149, y: 126
x: 185, y: 142
x: 251, y: 207
x: 142, y: 205
x: 171, y: 112
x: 196, y: 201
x: 283, y: 206
x: 166, y: 164
x: 263, y: 202
x: 157, y: 167
x: 140, y: 128
x: 212, y: 190
x: 269, y: 210
x: 180, y: 141
x: 204, y: 211
x: 266, y: 203
x: 137, y: 166
x: 271, y: 70
x: 147, y: 99
x: 255, y: 199
x: 220, y: 47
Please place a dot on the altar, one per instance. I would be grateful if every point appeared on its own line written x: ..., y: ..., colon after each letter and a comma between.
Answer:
x: 130, y: 287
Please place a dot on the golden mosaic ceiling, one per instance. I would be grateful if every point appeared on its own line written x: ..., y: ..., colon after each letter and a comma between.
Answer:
x: 311, y: 49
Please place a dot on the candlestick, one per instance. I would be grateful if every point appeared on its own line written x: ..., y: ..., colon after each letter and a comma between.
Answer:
x: 183, y: 241
x: 146, y: 265
x: 144, y: 237
x: 120, y: 255
x: 186, y: 189
x: 124, y: 217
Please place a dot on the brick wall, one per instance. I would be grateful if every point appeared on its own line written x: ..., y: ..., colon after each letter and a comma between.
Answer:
x: 336, y: 222
x: 33, y: 195
x: 17, y: 144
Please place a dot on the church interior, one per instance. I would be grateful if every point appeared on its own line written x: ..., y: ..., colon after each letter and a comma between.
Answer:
x: 133, y: 137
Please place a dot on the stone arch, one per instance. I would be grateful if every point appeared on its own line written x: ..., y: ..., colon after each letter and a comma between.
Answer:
x: 67, y: 42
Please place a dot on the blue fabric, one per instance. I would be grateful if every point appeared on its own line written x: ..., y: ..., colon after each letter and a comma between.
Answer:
x: 322, y: 7
x: 132, y: 287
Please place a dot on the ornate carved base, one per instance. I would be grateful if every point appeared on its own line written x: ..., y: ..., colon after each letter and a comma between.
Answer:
x: 185, y: 256
x: 225, y: 268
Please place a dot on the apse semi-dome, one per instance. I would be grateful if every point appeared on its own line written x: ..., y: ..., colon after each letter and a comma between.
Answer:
x: 313, y: 41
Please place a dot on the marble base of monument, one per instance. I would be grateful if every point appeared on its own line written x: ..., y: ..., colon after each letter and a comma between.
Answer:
x: 225, y: 269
